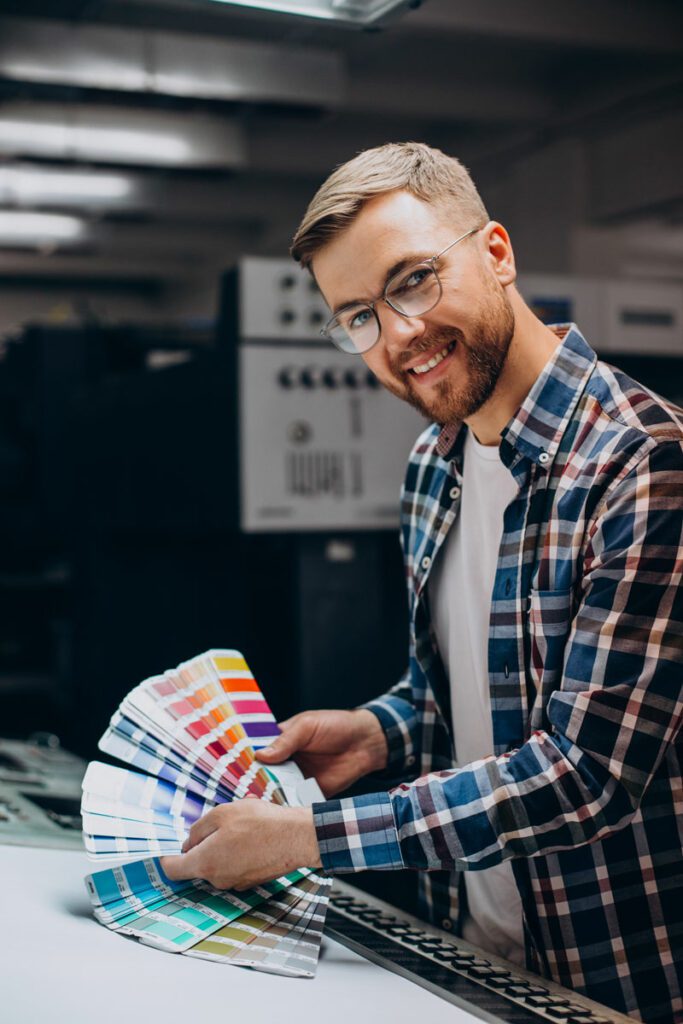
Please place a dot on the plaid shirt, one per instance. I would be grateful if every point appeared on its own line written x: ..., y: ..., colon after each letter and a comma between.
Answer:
x: 583, y: 789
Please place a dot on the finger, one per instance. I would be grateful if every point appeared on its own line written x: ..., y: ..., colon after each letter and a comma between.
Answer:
x: 296, y: 734
x: 287, y: 723
x: 182, y: 867
x: 201, y: 829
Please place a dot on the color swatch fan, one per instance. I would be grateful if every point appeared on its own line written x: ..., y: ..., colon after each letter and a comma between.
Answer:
x: 193, y: 731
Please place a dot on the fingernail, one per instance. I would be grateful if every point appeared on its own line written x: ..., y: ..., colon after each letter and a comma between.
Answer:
x: 268, y: 750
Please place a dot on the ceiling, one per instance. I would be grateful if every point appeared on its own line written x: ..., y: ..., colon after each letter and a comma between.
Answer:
x: 226, y: 120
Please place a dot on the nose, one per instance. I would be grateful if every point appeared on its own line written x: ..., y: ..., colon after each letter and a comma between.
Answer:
x: 398, y: 332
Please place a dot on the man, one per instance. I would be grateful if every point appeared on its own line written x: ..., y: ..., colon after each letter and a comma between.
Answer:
x: 542, y: 530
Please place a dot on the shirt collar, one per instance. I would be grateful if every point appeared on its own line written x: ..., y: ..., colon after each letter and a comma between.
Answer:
x: 536, y: 429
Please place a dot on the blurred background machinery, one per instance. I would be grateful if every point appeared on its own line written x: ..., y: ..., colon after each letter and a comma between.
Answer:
x: 40, y: 793
x: 236, y: 491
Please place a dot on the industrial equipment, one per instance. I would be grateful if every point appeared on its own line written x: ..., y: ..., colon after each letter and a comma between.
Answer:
x: 40, y: 793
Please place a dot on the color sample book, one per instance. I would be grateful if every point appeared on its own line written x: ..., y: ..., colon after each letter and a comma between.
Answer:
x: 193, y: 732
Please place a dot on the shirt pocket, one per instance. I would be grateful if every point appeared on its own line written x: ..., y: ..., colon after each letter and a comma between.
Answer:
x: 549, y: 622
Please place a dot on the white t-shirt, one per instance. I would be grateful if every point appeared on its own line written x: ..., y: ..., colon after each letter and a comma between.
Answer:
x: 460, y: 591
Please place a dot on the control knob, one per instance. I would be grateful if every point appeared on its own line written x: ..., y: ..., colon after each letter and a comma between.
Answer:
x: 288, y: 377
x: 354, y: 379
x: 311, y: 377
x: 333, y: 377
x: 299, y: 432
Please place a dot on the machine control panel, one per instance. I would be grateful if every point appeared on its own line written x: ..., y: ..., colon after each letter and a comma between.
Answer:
x: 621, y: 317
x: 316, y: 375
x: 322, y: 444
x: 464, y: 975
x: 279, y: 302
x: 40, y: 794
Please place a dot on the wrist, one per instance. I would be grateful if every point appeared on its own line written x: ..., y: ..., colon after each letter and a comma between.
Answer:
x: 307, y: 850
x: 373, y: 741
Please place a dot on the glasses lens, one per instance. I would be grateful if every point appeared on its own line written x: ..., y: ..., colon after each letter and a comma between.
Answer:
x: 414, y: 291
x: 354, y: 330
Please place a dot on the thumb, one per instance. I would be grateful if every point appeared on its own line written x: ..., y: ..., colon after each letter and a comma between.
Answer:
x: 181, y: 867
x: 296, y: 732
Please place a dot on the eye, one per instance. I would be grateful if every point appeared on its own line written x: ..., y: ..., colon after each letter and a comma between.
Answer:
x: 410, y: 281
x: 356, y: 319
x: 416, y: 277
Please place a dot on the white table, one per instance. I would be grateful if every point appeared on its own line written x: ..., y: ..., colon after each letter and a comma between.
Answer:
x: 58, y: 965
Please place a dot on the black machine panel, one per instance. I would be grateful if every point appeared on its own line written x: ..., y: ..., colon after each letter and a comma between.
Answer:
x: 481, y: 983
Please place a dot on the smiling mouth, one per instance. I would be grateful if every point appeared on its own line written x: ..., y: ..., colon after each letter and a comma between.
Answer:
x: 437, y: 358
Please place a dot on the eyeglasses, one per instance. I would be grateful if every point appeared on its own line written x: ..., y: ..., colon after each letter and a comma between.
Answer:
x: 410, y: 292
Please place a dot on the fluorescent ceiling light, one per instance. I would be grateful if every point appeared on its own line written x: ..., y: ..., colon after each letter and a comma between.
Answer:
x: 17, y: 228
x: 356, y: 12
x: 170, y: 63
x: 19, y: 184
x: 103, y: 143
x: 116, y: 135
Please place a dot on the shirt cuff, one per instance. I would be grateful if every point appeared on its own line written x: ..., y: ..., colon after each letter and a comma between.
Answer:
x: 357, y: 833
x: 399, y: 722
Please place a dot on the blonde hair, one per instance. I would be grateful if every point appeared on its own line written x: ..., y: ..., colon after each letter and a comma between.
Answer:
x: 427, y: 173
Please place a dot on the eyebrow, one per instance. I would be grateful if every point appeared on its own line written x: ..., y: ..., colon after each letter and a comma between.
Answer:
x: 395, y: 268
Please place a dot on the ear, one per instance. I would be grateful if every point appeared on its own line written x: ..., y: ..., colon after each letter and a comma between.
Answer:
x: 499, y: 255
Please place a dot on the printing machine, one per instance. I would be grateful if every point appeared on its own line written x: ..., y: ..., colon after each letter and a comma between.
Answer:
x: 40, y: 794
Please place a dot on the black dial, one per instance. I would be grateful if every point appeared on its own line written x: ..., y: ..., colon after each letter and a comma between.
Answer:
x: 333, y: 377
x: 311, y: 376
x: 288, y: 377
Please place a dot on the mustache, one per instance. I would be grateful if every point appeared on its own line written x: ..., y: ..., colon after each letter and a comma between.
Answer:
x: 435, y: 341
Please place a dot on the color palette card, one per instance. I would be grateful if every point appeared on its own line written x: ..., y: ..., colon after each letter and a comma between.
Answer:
x: 187, y: 719
x: 282, y: 935
x: 142, y: 901
x: 193, y: 732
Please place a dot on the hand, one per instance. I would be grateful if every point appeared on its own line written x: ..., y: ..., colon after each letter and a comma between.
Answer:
x: 239, y: 845
x: 336, y: 747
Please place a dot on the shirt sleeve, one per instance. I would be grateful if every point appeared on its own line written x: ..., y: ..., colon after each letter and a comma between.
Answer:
x: 611, y: 721
x: 396, y: 713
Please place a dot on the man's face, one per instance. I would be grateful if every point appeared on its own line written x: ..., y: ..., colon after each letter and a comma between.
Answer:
x: 471, y: 327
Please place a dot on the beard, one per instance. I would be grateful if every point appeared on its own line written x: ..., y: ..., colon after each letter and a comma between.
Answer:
x: 486, y: 349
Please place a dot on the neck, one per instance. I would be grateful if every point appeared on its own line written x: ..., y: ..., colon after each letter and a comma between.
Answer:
x: 531, y: 347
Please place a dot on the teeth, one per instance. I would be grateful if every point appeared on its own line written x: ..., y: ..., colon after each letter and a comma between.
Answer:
x: 435, y: 360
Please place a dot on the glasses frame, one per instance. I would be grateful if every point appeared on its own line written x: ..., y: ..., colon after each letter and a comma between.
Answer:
x: 372, y: 303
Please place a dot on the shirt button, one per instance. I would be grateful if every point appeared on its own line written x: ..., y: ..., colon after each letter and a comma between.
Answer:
x: 410, y: 759
x: 447, y: 924
x: 543, y: 458
x: 454, y: 493
x: 426, y: 562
